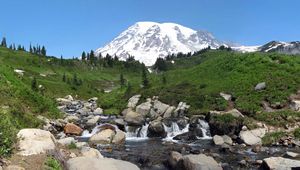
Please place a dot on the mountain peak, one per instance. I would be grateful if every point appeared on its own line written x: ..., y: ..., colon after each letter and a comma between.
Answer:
x: 147, y: 41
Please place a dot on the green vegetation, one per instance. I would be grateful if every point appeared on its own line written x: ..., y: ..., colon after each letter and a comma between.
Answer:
x: 297, y: 133
x: 271, y: 138
x: 72, y: 145
x: 278, y: 118
x: 52, y: 164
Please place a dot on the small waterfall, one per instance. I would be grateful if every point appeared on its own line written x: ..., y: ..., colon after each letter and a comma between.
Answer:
x: 174, y: 130
x: 136, y: 133
x: 205, y: 129
x: 87, y: 134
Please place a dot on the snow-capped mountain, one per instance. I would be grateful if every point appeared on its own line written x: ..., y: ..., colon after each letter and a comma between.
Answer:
x: 281, y: 47
x: 147, y: 41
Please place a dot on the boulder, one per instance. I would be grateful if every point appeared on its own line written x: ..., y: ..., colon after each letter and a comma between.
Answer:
x: 200, y: 162
x: 292, y: 155
x: 132, y: 102
x: 153, y: 114
x: 260, y: 86
x: 134, y: 118
x: 93, y: 99
x: 103, y: 137
x: 81, y: 144
x: 63, y: 101
x: 227, y: 97
x: 91, y: 153
x: 35, y: 141
x: 69, y: 97
x: 98, y: 111
x: 181, y: 109
x: 72, y: 129
x: 253, y: 137
x: 279, y: 163
x: 295, y: 105
x: 93, y: 121
x: 71, y: 119
x: 144, y: 108
x: 120, y: 123
x: 169, y: 112
x: 156, y: 129
x: 66, y: 141
x: 119, y: 137
x: 83, y: 111
x: 160, y: 107
x: 218, y: 140
x: 227, y: 140
x: 174, y: 159
x: 86, y: 163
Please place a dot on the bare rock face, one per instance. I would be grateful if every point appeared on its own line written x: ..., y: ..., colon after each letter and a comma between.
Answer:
x: 72, y: 129
x: 35, y: 141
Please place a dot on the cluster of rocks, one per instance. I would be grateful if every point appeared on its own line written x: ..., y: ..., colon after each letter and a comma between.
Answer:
x: 157, y: 114
x: 37, y: 142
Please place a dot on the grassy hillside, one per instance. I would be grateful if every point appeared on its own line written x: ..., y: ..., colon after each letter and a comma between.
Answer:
x: 197, y: 80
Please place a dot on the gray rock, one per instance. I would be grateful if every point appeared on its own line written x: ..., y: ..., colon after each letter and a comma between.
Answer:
x: 66, y: 141
x: 134, y: 118
x: 227, y: 140
x: 71, y: 119
x: 292, y: 155
x: 35, y: 141
x: 279, y: 163
x: 91, y: 153
x: 132, y: 102
x: 93, y: 121
x: 218, y: 140
x: 103, y: 137
x: 174, y: 159
x: 181, y: 109
x: 160, y: 107
x: 226, y: 96
x: 200, y: 162
x: 98, y: 111
x: 253, y: 137
x: 156, y: 129
x: 144, y: 108
x: 169, y: 112
x: 260, y: 86
x: 119, y: 137
x: 295, y: 105
x: 86, y: 163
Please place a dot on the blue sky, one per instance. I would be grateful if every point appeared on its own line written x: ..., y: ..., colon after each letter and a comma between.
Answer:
x: 68, y: 27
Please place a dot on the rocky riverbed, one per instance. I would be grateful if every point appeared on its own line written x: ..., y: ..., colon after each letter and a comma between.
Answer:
x: 154, y: 135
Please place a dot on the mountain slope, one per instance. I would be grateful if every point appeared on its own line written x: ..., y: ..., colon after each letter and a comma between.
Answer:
x: 281, y: 47
x: 147, y: 41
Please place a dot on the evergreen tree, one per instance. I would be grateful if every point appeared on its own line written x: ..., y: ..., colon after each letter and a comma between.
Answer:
x: 3, y: 42
x: 145, y: 80
x: 83, y: 56
x: 64, y: 77
x: 61, y: 60
x: 30, y: 49
x: 122, y: 80
x: 160, y: 64
x: 75, y: 79
x: 43, y: 51
x: 34, y: 84
x: 92, y: 57
x: 164, y: 79
x: 128, y: 90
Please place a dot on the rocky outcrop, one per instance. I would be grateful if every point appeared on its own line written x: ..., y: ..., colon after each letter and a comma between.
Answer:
x: 134, y: 118
x: 35, y: 141
x: 253, y: 137
x: 72, y: 129
x: 279, y: 163
x: 181, y: 109
x: 200, y: 162
x: 86, y: 163
x: 160, y: 107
